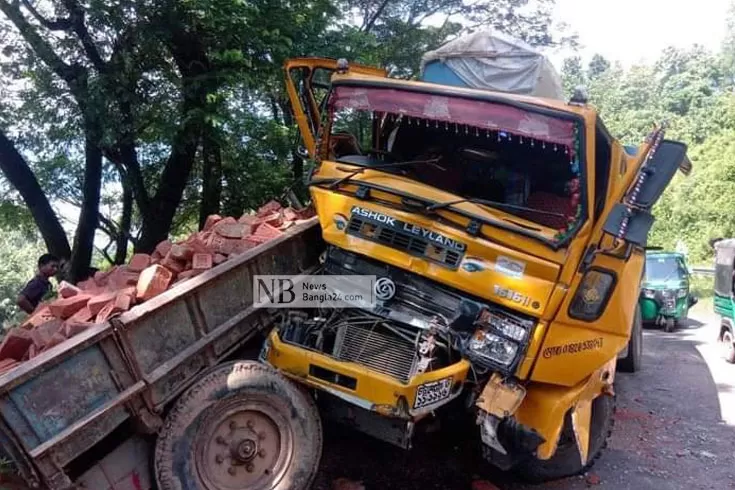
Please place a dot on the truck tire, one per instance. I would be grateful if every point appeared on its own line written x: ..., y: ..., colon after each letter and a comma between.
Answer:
x: 728, y: 345
x: 632, y: 362
x: 566, y: 461
x: 241, y: 425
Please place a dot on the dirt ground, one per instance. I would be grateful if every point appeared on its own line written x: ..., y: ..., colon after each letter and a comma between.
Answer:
x: 674, y: 429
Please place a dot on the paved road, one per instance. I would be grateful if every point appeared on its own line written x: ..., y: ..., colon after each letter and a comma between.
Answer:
x: 674, y: 430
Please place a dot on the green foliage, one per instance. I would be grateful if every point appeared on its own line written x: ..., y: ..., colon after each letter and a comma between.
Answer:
x: 20, y: 253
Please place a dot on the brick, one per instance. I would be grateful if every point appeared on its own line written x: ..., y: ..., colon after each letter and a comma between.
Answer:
x: 153, y: 281
x: 138, y: 262
x: 286, y: 225
x: 122, y: 278
x: 175, y: 266
x: 70, y: 329
x: 269, y: 208
x: 211, y: 220
x: 39, y: 317
x: 130, y: 292
x: 15, y: 344
x: 255, y: 240
x: 96, y: 303
x: 267, y: 231
x: 189, y: 274
x: 180, y: 252
x: 101, y: 277
x: 163, y: 248
x: 105, y: 313
x: 83, y: 315
x: 289, y: 215
x: 88, y: 285
x: 218, y: 259
x: 32, y: 352
x: 242, y: 246
x: 274, y: 219
x: 41, y: 335
x: 8, y: 364
x: 231, y: 230
x: 65, y: 307
x: 67, y: 290
x: 123, y: 302
x: 202, y: 261
x: 249, y: 219
x: 198, y: 245
x: 57, y: 339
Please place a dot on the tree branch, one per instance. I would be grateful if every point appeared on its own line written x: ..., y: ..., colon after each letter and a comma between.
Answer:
x: 77, y: 17
x: 373, y: 18
x: 52, y: 25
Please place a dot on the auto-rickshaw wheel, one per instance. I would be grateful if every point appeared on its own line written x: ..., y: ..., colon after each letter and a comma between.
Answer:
x: 728, y: 346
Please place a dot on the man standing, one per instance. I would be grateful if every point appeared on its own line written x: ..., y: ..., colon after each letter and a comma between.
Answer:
x: 38, y: 287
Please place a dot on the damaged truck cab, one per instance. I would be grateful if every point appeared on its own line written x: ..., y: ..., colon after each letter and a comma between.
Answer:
x: 507, y: 236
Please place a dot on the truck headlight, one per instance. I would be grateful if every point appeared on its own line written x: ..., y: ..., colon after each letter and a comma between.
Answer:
x: 648, y: 293
x: 485, y: 345
x: 591, y: 297
x: 681, y: 293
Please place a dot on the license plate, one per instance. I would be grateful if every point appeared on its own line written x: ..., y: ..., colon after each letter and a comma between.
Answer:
x: 431, y: 393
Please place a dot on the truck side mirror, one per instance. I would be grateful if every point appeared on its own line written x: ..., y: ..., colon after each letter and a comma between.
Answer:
x: 639, y: 224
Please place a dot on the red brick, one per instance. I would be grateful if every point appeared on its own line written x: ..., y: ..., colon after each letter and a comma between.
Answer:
x: 101, y: 277
x: 67, y: 290
x: 242, y: 246
x: 87, y: 285
x: 41, y: 335
x: 105, y: 313
x: 249, y: 219
x: 218, y: 259
x: 8, y: 364
x: 267, y: 231
x: 202, y: 261
x: 231, y: 230
x: 180, y: 252
x: 55, y: 340
x: 70, y: 329
x: 65, y: 307
x: 286, y: 225
x: 255, y: 240
x: 139, y: 262
x: 39, y: 317
x: 32, y: 352
x: 268, y: 208
x: 189, y: 274
x: 163, y: 248
x: 175, y: 266
x: 153, y: 281
x: 15, y: 344
x: 122, y: 302
x: 197, y: 244
x: 129, y: 292
x: 274, y: 219
x: 96, y: 303
x: 83, y: 315
x: 211, y: 220
x: 289, y: 214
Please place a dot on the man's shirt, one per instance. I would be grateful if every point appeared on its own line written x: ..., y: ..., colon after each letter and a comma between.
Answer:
x: 36, y: 289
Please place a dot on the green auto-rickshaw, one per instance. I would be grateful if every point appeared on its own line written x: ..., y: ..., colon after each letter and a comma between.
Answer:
x: 724, y: 302
x: 665, y: 297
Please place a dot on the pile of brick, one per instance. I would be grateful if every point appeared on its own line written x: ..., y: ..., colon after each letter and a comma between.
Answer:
x: 116, y: 290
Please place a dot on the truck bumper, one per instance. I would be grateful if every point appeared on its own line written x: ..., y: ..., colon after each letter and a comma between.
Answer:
x: 364, y: 387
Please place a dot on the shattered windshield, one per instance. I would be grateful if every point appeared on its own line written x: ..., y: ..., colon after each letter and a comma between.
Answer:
x: 524, y: 161
x: 664, y: 269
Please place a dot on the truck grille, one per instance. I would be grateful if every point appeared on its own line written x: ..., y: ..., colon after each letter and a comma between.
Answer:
x: 382, y: 352
x: 411, y: 244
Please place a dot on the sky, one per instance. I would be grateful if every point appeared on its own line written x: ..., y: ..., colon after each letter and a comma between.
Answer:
x: 633, y: 30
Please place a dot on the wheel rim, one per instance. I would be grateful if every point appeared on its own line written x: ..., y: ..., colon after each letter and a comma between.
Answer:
x: 727, y: 344
x: 243, y: 444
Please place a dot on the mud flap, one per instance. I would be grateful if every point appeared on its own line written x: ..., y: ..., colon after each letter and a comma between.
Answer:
x: 581, y: 420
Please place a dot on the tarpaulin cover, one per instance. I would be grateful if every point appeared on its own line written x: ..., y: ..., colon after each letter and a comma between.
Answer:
x: 494, y: 61
x: 455, y: 110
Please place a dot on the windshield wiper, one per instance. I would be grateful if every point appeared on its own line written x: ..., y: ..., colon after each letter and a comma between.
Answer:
x: 497, y: 204
x: 360, y: 170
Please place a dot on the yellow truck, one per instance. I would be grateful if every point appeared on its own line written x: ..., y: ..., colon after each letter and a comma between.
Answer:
x: 507, y: 236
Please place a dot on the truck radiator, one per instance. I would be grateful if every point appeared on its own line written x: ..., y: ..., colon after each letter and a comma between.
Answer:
x: 379, y: 350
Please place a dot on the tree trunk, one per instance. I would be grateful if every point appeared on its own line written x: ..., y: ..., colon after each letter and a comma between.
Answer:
x: 211, y: 176
x: 89, y: 214
x: 21, y: 177
x: 121, y: 242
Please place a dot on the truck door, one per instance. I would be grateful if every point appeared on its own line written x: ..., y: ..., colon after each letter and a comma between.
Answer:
x: 308, y: 81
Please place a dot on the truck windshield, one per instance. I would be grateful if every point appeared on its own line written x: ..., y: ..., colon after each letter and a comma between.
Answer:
x: 483, y: 150
x: 664, y: 269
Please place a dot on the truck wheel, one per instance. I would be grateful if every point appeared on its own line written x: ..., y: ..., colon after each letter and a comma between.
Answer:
x: 242, y: 425
x: 566, y: 461
x: 632, y: 362
x: 728, y: 346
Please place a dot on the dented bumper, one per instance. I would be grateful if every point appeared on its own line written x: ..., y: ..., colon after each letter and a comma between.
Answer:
x: 364, y: 387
